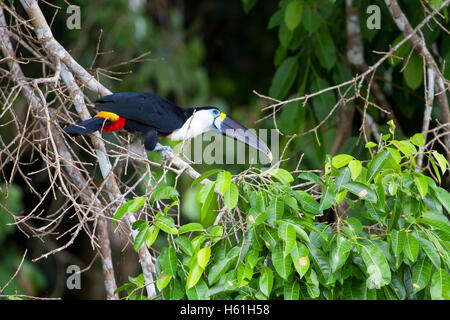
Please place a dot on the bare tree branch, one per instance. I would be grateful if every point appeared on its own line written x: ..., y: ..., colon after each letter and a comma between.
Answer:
x: 418, y: 43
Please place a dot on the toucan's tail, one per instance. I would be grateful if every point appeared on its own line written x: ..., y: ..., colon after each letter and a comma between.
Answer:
x: 87, y: 126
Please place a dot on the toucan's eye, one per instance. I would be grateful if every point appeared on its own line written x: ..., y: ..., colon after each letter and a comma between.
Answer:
x: 216, y: 112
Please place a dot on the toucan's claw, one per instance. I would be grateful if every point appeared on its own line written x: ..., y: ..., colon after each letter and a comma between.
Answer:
x: 163, y: 150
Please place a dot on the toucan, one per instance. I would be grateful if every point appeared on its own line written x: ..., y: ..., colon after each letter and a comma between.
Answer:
x: 150, y: 116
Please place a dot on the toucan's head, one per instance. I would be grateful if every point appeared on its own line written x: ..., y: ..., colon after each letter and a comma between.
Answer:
x: 205, y: 119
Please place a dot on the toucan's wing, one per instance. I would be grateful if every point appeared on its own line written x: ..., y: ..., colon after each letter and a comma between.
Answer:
x: 146, y: 108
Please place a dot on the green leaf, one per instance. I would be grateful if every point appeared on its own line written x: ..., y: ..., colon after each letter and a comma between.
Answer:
x: 297, y: 223
x: 370, y: 144
x: 256, y: 217
x: 137, y: 281
x: 205, y: 175
x: 281, y: 175
x: 270, y: 236
x: 411, y: 249
x: 168, y: 261
x: 398, y: 286
x: 436, y: 170
x: 284, y: 78
x: 300, y: 259
x: 284, y: 35
x: 139, y: 224
x: 154, y: 231
x: 440, y: 285
x: 377, y: 164
x: 327, y: 199
x: 430, y: 251
x: 355, y: 289
x: 355, y: 167
x: 422, y: 186
x: 293, y: 14
x: 443, y: 163
x: 128, y: 207
x: 321, y: 261
x: 395, y: 155
x: 340, y: 253
x: 140, y: 238
x: 290, y: 202
x: 311, y: 19
x: 166, y: 192
x: 244, y: 274
x: 205, y: 196
x: 311, y: 176
x: 166, y: 224
x: 252, y: 258
x: 223, y: 181
x: 361, y: 190
x: 436, y: 3
x: 312, y: 284
x: 281, y: 263
x: 417, y: 139
x: 231, y: 196
x: 374, y: 211
x: 398, y: 239
x: 443, y: 196
x: 216, y: 233
x: 205, y: 191
x: 185, y: 244
x: 405, y: 147
x: 341, y: 160
x: 276, y: 19
x: 437, y: 220
x: 413, y: 73
x: 275, y: 209
x: 162, y: 281
x: 177, y: 289
x: 190, y: 227
x: 194, y: 276
x: 248, y: 5
x: 218, y: 270
x: 292, y: 291
x: 203, y: 256
x: 343, y: 177
x: 199, y: 291
x: 167, y: 207
x: 377, y: 266
x: 354, y: 225
x: 287, y: 233
x: 266, y: 281
x: 340, y: 196
x: 421, y: 274
x: 307, y: 202
x: 324, y: 49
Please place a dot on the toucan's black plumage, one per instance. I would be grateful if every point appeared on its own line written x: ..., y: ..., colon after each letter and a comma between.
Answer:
x: 150, y: 115
x: 147, y: 108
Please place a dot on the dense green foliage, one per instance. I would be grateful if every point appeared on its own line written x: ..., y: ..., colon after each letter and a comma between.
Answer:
x: 393, y: 243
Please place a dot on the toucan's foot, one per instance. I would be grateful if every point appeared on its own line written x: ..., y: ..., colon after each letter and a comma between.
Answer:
x: 163, y: 150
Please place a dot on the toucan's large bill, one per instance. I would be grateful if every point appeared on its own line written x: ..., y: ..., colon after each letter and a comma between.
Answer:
x: 233, y: 129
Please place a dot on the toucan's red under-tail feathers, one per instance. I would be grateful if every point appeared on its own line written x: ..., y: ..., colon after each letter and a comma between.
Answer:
x: 87, y: 126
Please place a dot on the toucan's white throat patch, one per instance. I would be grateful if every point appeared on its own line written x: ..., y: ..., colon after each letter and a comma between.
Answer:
x: 201, y: 121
